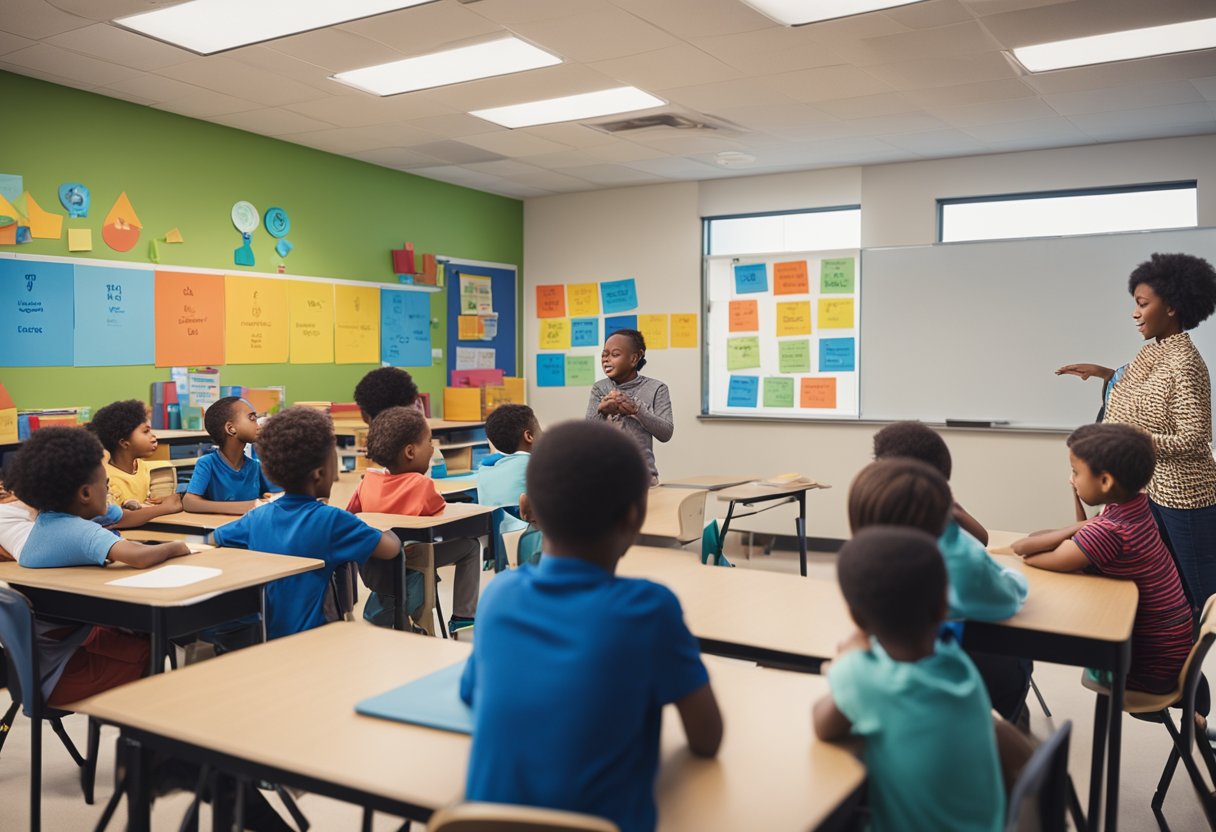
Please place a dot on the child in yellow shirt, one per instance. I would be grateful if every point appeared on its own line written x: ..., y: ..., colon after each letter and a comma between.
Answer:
x: 127, y: 436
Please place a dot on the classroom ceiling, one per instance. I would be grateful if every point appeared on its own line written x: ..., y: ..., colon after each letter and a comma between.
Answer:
x: 922, y: 81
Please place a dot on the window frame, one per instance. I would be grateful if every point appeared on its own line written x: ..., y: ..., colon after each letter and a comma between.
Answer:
x: 707, y: 224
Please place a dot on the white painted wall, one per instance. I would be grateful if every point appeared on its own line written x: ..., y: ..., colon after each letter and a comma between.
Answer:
x: 653, y: 234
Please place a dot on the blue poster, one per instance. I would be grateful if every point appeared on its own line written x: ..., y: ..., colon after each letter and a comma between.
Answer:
x: 611, y: 325
x: 114, y: 317
x: 744, y: 391
x: 36, y: 313
x: 550, y: 370
x: 584, y: 332
x: 837, y: 355
x: 751, y: 278
x: 619, y: 295
x: 405, y: 328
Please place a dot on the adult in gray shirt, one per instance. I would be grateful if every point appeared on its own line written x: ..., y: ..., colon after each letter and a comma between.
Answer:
x: 638, y: 405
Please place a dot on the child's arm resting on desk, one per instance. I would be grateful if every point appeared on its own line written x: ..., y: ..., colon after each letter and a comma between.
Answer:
x: 702, y: 721
x: 199, y: 504
x: 1055, y: 551
x: 143, y: 555
x: 130, y: 519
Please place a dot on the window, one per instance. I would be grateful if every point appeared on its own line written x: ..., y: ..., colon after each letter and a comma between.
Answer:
x: 819, y: 229
x: 1065, y: 213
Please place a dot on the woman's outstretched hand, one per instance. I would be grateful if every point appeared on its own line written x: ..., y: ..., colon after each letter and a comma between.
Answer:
x: 1086, y: 371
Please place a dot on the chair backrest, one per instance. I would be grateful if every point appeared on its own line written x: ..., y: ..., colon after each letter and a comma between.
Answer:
x: 692, y: 516
x: 500, y: 817
x: 1039, y: 800
x: 17, y: 636
x: 1192, y: 670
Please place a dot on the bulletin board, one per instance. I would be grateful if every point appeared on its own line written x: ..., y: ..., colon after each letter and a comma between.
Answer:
x: 488, y: 338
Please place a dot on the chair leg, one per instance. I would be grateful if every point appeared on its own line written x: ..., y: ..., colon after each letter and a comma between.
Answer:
x: 190, y: 819
x: 294, y: 810
x: 368, y: 816
x: 35, y: 774
x: 6, y: 724
x: 443, y: 625
x: 1188, y: 761
x: 57, y: 727
x: 1097, y: 762
x: 120, y: 787
x: 88, y: 772
x: 1074, y: 807
x: 1167, y: 776
x: 1038, y: 694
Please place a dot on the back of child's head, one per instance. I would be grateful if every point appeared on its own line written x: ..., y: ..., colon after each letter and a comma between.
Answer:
x: 383, y: 388
x: 582, y: 479
x: 915, y: 440
x: 505, y: 426
x: 894, y: 580
x: 218, y: 415
x: 391, y: 431
x: 900, y: 492
x: 51, y: 467
x: 639, y: 344
x: 293, y: 444
x: 117, y: 421
x: 1123, y: 451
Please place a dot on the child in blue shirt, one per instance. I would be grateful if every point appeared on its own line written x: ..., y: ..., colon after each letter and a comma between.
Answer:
x: 512, y: 429
x: 572, y: 665
x: 298, y: 452
x: 226, y: 481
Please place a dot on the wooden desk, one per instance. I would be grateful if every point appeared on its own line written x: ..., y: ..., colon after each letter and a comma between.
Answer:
x: 753, y: 494
x: 710, y: 482
x: 244, y: 714
x: 180, y: 437
x: 85, y: 594
x: 186, y: 522
x: 1001, y: 542
x: 674, y: 513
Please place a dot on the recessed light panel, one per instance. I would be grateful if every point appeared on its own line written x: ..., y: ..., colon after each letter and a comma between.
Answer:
x: 571, y: 107
x: 468, y: 63
x: 1119, y: 46
x: 800, y: 12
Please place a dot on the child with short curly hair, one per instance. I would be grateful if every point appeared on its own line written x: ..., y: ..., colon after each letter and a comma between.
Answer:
x: 126, y: 434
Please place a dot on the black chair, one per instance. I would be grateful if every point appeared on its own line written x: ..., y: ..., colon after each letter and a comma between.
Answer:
x: 1043, y: 794
x: 17, y: 636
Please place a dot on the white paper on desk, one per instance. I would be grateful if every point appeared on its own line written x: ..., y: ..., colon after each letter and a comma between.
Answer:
x: 167, y: 577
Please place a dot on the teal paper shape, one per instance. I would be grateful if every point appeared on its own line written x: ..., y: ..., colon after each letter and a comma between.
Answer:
x: 283, y: 248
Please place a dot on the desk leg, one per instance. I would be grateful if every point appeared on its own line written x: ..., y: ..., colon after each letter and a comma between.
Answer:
x: 399, y: 602
x: 1101, y: 721
x: 1122, y: 661
x: 492, y: 549
x: 262, y: 613
x: 139, y: 787
x: 800, y: 527
x: 156, y: 661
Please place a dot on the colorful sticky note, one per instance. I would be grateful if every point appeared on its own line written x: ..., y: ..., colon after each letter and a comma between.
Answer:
x: 405, y: 328
x: 837, y: 355
x: 462, y: 404
x: 189, y: 310
x: 174, y: 235
x: 113, y: 308
x: 743, y: 391
x: 654, y: 331
x: 818, y: 393
x: 469, y: 328
x: 80, y: 239
x: 36, y: 313
x: 619, y: 295
x: 551, y: 301
x: 790, y: 278
x: 794, y: 356
x: 836, y: 313
x: 43, y: 224
x: 778, y: 392
x: 744, y: 316
x: 555, y: 334
x: 121, y: 227
x: 580, y: 370
x: 836, y: 277
x: 583, y: 299
x: 683, y: 331
x: 550, y: 370
x: 356, y: 324
x: 611, y: 325
x: 750, y: 278
x: 311, y: 308
x: 794, y: 318
x: 255, y: 320
x: 584, y: 332
x: 742, y: 353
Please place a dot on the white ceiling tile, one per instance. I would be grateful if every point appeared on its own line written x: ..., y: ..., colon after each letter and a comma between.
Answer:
x: 738, y: 93
x: 43, y: 76
x: 944, y: 71
x: 613, y: 175
x: 1127, y: 132
x: 1057, y: 128
x: 686, y: 142
x: 772, y: 50
x: 266, y: 60
x: 81, y: 69
x: 512, y: 12
x: 457, y: 153
x: 938, y: 143
x: 514, y: 143
x: 676, y: 66
x: 125, y: 96
x: 37, y: 19
x: 775, y: 117
x: 503, y: 167
x: 786, y: 60
x: 698, y: 18
x: 572, y: 134
x: 597, y: 36
x: 1131, y: 122
x: 959, y: 95
x: 455, y: 125
x: 509, y: 188
x: 1206, y: 87
x: 552, y: 181
x: 828, y: 83
x: 223, y: 74
x: 1126, y: 97
x: 455, y: 175
x: 399, y: 158
x: 623, y: 150
x: 363, y: 110
x: 994, y: 112
x: 120, y: 46
x: 968, y: 38
x: 982, y: 8
x: 897, y: 123
x: 883, y: 104
x: 354, y: 139
x: 205, y: 104
x: 675, y: 167
x: 857, y: 27
x: 271, y: 121
x: 155, y: 88
x: 562, y: 159
x: 11, y: 43
x: 930, y: 14
x: 336, y: 50
x: 423, y: 28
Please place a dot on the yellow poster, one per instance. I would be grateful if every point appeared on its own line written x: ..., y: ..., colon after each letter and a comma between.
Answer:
x: 469, y: 328
x: 583, y: 299
x: 554, y: 333
x: 356, y: 324
x: 255, y: 320
x: 654, y: 330
x: 683, y: 331
x: 794, y: 318
x: 835, y: 313
x: 312, y: 322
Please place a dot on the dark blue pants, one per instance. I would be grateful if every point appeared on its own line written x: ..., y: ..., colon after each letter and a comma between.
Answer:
x: 1190, y: 535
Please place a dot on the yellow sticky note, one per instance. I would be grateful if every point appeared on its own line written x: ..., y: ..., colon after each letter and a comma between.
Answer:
x: 356, y: 324
x: 8, y: 424
x: 835, y: 313
x: 255, y: 320
x: 43, y: 224
x: 80, y: 239
x: 794, y: 318
x: 174, y: 235
x: 683, y: 331
x: 654, y: 330
x: 311, y: 308
x: 554, y: 333
x: 583, y: 299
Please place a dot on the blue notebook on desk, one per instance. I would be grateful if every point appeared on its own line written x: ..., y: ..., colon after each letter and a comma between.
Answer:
x: 433, y: 701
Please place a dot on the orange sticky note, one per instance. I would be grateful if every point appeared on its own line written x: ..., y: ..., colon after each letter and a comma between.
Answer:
x: 744, y: 316
x: 551, y: 301
x: 462, y: 404
x: 43, y: 224
x: 818, y: 393
x: 189, y: 313
x: 683, y: 330
x: 790, y: 278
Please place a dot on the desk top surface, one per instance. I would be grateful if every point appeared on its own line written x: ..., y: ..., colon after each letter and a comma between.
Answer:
x: 756, y: 491
x: 710, y: 482
x: 252, y: 704
x: 453, y: 511
x: 191, y: 520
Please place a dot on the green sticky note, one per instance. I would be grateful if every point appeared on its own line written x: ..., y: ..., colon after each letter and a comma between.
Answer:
x: 794, y: 356
x: 743, y: 353
x: 836, y: 276
x: 580, y: 370
x: 778, y: 392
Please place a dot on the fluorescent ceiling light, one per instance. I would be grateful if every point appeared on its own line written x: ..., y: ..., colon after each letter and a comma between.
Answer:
x: 571, y: 107
x: 1119, y: 46
x: 468, y: 63
x: 210, y: 26
x: 800, y: 12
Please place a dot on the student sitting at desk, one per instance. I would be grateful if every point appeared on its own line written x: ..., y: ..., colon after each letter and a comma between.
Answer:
x: 572, y: 665
x: 127, y: 436
x: 501, y: 477
x: 298, y: 452
x: 226, y: 481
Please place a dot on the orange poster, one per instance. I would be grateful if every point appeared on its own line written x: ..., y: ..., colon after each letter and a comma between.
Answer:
x: 189, y: 319
x: 818, y: 393
x: 790, y: 278
x: 551, y: 301
x: 744, y: 316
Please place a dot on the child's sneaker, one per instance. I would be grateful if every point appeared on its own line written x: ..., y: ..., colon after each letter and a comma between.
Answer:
x: 455, y: 623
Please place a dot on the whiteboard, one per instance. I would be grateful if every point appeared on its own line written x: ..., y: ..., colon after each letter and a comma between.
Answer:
x: 976, y: 330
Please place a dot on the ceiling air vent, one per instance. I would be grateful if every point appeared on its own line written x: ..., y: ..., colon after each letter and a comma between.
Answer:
x: 649, y: 122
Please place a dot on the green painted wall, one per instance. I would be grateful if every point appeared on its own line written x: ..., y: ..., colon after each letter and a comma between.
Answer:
x: 345, y: 215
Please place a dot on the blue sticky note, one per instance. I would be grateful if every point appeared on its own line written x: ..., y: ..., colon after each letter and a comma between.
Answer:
x: 550, y: 370
x: 36, y: 313
x: 405, y: 328
x: 12, y: 185
x: 619, y: 295
x: 751, y: 278
x: 611, y: 325
x: 114, y: 314
x: 585, y: 332
x: 837, y: 355
x: 744, y: 391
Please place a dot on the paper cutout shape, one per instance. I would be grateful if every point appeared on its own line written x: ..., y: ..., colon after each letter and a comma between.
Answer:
x: 311, y: 308
x: 43, y: 224
x: 818, y: 393
x: 403, y: 259
x: 405, y: 328
x: 277, y: 222
x: 750, y: 278
x: 9, y: 210
x: 654, y: 331
x: 743, y: 391
x: 23, y: 234
x: 683, y: 331
x: 462, y: 404
x: 836, y: 277
x: 356, y: 324
x: 476, y: 295
x: 74, y: 197
x: 611, y: 325
x: 244, y: 217
x: 551, y: 301
x: 153, y: 251
x: 742, y: 353
x: 469, y: 328
x: 255, y: 320
x: 580, y: 370
x: 430, y: 270
x: 112, y: 309
x: 189, y: 314
x: 794, y: 356
x: 243, y: 256
x: 36, y: 313
x: 836, y: 313
x: 23, y: 209
x: 283, y: 248
x: 585, y: 332
x: 550, y: 370
x: 744, y: 316
x: 790, y: 278
x: 174, y: 235
x: 778, y: 392
x: 583, y: 299
x: 837, y: 355
x: 619, y: 295
x: 12, y: 185
x: 794, y: 318
x: 80, y: 239
x: 8, y: 231
x: 121, y: 227
x: 554, y: 334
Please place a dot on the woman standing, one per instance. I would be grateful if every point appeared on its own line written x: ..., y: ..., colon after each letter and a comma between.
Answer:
x: 1166, y: 391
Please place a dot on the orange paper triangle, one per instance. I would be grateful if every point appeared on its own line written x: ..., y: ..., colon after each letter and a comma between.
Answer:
x: 122, y: 214
x: 7, y: 209
x: 43, y: 224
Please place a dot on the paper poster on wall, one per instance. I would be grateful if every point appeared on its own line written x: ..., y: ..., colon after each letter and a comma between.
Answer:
x: 202, y: 387
x: 311, y: 307
x: 818, y: 393
x: 356, y: 324
x: 619, y: 295
x: 475, y: 358
x: 489, y: 327
x: 790, y: 278
x: 742, y: 353
x: 554, y: 333
x: 778, y: 392
x: 189, y: 318
x: 612, y: 324
x: 836, y: 313
x: 469, y: 328
x: 582, y: 299
x: 837, y: 355
x: 744, y: 316
x: 405, y: 328
x: 113, y: 308
x: 750, y: 278
x: 551, y: 301
x: 794, y: 318
x: 550, y: 369
x: 36, y: 313
x: 585, y: 332
x: 836, y: 277
x: 743, y: 391
x: 794, y: 356
x: 255, y: 320
x: 654, y: 331
x: 476, y: 295
x: 580, y: 370
x: 683, y: 331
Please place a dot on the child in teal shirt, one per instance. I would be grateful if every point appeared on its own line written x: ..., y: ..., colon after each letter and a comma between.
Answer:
x: 512, y: 429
